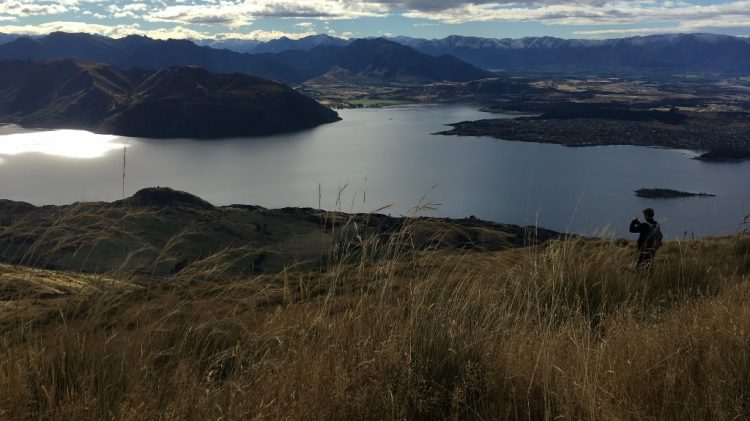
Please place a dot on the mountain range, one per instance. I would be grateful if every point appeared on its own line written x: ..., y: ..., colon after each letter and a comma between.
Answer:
x: 174, y: 102
x: 141, y: 52
x: 702, y: 54
x: 372, y: 59
x: 275, y: 45
x: 402, y: 59
x: 697, y: 53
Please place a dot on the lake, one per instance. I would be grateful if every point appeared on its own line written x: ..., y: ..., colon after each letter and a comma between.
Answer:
x: 380, y: 157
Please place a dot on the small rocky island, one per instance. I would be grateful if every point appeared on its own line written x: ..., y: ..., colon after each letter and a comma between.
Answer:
x: 171, y: 103
x: 668, y: 194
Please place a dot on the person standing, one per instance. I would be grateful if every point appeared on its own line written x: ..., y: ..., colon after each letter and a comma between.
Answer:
x: 649, y: 238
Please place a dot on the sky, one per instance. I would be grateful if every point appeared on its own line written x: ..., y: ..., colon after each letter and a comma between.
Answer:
x: 269, y: 19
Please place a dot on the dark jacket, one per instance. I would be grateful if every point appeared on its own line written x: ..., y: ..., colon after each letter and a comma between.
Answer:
x: 644, y: 230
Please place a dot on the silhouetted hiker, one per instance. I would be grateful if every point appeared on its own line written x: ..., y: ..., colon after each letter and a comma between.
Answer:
x: 649, y: 238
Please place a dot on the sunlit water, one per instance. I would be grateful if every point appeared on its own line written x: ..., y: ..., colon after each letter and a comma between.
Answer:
x: 62, y: 143
x: 389, y: 157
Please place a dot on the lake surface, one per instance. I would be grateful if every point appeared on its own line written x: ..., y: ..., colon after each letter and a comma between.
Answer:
x: 385, y: 157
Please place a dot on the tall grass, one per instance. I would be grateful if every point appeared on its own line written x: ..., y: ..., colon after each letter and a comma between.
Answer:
x: 567, y: 329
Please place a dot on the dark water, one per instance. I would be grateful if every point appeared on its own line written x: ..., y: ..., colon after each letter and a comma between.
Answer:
x: 389, y: 157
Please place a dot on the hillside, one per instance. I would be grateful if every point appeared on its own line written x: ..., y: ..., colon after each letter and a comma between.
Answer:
x: 381, y: 60
x: 5, y: 38
x: 174, y: 102
x: 379, y: 329
x: 167, y: 231
x: 679, y: 54
x: 378, y: 59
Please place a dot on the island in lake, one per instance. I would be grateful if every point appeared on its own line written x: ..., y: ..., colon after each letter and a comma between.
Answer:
x: 668, y: 194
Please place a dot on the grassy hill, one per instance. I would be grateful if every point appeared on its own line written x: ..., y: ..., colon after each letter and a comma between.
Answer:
x: 160, y: 232
x: 387, y: 328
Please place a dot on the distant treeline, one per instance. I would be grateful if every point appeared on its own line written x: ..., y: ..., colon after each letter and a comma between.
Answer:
x: 615, y: 113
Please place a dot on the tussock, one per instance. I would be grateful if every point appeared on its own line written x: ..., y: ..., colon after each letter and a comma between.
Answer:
x: 566, y: 329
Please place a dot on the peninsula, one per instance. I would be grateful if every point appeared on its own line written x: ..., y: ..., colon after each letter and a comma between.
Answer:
x: 169, y: 103
x: 571, y: 124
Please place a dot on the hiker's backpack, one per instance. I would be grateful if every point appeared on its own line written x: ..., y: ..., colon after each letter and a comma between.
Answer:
x: 656, y: 238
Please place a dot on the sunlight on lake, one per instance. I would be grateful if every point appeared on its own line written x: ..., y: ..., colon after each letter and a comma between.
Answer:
x: 63, y: 143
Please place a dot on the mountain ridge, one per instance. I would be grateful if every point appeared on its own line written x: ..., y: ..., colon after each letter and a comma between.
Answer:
x: 296, y: 61
x: 653, y: 54
x: 700, y: 53
x: 136, y: 51
x: 277, y: 45
x: 380, y: 59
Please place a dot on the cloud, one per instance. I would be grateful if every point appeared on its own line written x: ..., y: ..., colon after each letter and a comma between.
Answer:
x: 686, y: 27
x: 93, y: 15
x: 259, y: 35
x: 115, y: 31
x: 595, y: 13
x: 240, y: 13
x: 437, y: 5
x: 22, y: 8
x: 130, y: 10
x: 627, y: 31
x: 119, y: 31
x: 233, y: 16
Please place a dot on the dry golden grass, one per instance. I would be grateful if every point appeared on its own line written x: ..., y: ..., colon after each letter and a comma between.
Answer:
x: 566, y: 330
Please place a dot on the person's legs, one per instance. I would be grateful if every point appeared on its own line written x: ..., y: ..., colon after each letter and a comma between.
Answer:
x: 645, y: 258
x: 651, y: 257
